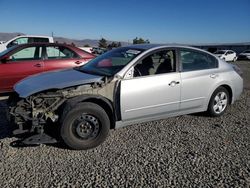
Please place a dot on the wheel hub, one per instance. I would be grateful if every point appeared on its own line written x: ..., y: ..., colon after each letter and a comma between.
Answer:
x: 86, y: 126
x: 220, y: 102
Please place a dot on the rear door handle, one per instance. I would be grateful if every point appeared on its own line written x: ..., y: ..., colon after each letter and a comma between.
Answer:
x: 173, y: 83
x: 214, y: 75
x: 78, y: 62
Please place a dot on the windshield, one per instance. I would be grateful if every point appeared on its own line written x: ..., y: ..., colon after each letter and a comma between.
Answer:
x: 219, y: 52
x: 111, y: 62
x: 6, y: 51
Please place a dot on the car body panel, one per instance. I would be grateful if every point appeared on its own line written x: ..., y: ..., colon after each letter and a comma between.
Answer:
x: 12, y: 72
x: 64, y: 63
x: 195, y: 81
x: 144, y: 98
x: 149, y: 95
x: 53, y: 80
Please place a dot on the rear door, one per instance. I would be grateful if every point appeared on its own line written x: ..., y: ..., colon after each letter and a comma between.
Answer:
x: 154, y: 89
x: 22, y: 63
x: 199, y: 73
x: 60, y: 57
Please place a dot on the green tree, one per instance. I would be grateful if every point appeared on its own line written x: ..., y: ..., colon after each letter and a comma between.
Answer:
x: 103, y: 43
x: 140, y: 41
x: 119, y: 44
x: 114, y: 45
x: 86, y: 45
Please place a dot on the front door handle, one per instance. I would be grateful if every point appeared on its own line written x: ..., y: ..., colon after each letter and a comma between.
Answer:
x: 173, y: 83
x: 38, y: 65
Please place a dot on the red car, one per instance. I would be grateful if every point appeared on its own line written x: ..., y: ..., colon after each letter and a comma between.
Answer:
x: 24, y: 60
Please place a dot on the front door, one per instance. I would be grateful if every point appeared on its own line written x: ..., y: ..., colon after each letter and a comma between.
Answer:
x: 154, y: 88
x: 21, y: 64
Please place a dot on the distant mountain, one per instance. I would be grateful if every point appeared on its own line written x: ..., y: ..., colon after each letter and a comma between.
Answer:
x: 8, y: 36
x: 94, y: 42
x: 91, y: 42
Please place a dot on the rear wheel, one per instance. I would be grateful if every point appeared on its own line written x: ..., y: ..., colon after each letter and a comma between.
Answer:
x: 85, y: 126
x: 218, y: 102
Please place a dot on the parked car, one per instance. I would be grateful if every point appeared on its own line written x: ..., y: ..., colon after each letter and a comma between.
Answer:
x: 124, y: 86
x: 98, y: 50
x: 24, y: 60
x: 24, y: 39
x: 226, y: 55
x: 87, y: 49
x: 244, y: 55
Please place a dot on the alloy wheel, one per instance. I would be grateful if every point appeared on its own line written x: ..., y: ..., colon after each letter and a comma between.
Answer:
x: 220, y: 102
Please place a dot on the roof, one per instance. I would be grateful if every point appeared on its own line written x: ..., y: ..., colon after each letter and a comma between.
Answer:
x: 44, y: 43
x: 38, y: 36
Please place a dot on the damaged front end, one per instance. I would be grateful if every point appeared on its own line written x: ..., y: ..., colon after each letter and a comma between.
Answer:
x: 31, y: 115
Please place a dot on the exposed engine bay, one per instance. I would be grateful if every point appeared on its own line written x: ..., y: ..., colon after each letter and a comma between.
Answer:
x: 31, y: 114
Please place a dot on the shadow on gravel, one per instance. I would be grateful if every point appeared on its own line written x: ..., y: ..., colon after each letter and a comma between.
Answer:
x: 52, y: 131
x: 5, y: 128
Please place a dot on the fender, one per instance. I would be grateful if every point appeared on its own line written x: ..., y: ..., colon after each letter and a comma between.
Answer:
x: 105, y: 103
x: 218, y: 84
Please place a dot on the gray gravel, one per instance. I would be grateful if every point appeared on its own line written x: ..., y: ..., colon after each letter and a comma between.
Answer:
x: 185, y: 151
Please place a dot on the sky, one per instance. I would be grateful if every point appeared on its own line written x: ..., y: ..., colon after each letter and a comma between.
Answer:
x: 159, y: 21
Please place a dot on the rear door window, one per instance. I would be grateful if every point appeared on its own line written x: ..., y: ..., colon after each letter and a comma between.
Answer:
x: 60, y: 52
x: 194, y: 60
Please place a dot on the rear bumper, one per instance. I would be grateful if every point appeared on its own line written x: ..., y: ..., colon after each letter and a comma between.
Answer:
x: 238, y: 88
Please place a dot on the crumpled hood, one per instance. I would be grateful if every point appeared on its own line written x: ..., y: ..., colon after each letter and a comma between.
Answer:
x: 53, y: 80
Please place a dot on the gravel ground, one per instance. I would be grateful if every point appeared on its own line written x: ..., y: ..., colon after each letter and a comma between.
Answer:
x: 185, y: 151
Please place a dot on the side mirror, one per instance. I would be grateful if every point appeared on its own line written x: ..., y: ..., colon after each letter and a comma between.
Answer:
x: 130, y: 73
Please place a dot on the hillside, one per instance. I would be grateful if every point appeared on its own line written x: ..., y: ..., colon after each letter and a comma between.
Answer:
x: 77, y: 42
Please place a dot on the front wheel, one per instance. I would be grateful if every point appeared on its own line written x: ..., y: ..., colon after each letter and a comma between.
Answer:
x: 218, y: 102
x: 85, y: 126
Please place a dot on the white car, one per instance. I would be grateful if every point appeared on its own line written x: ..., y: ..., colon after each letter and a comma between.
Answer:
x: 23, y: 39
x: 226, y: 55
x: 87, y: 49
x: 124, y: 86
x: 244, y: 55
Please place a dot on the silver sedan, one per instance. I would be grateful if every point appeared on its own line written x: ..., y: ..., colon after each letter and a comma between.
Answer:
x: 124, y: 86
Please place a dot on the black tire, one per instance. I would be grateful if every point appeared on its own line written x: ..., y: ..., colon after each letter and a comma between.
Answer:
x: 211, y: 106
x: 85, y: 126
